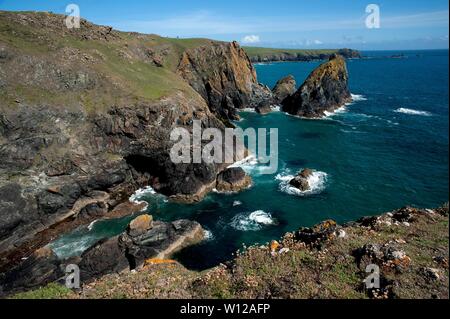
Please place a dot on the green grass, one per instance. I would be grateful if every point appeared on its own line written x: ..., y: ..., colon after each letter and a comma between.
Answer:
x: 51, y: 291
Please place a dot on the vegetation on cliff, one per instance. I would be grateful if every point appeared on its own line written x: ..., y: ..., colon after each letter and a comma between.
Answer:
x: 86, y: 116
x: 410, y: 246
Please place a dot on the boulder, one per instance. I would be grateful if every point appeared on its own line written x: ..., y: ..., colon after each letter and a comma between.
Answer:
x: 301, y: 180
x: 325, y: 89
x: 263, y: 108
x: 233, y: 180
x: 140, y: 225
x: 285, y: 87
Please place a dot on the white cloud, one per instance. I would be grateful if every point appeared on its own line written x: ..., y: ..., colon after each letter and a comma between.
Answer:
x: 251, y: 39
x: 201, y: 23
x: 318, y: 42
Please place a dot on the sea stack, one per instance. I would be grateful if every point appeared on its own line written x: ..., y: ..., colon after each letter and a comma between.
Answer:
x: 301, y: 180
x: 284, y: 88
x: 325, y: 90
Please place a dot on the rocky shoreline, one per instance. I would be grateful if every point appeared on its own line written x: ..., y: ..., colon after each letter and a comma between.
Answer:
x: 409, y: 245
x: 66, y: 162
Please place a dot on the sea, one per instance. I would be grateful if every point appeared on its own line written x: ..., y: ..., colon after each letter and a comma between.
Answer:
x: 387, y: 149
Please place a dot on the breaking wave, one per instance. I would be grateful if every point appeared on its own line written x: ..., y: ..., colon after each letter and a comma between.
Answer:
x: 412, y: 111
x: 136, y: 197
x: 358, y: 97
x: 253, y: 221
x: 317, y: 183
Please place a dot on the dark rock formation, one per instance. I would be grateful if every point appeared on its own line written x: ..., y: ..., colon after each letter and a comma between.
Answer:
x: 318, y: 234
x: 233, y: 180
x: 325, y: 89
x: 85, y: 125
x: 144, y: 239
x: 40, y: 268
x: 301, y: 180
x: 264, y: 107
x: 284, y: 88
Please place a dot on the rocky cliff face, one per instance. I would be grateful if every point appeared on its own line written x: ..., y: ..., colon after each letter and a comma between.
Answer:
x: 224, y: 76
x: 325, y: 89
x: 86, y: 115
x: 284, y: 87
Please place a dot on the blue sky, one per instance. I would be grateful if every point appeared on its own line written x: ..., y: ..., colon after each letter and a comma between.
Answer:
x: 297, y: 24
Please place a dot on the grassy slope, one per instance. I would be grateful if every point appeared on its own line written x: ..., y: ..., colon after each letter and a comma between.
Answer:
x: 302, y: 272
x: 138, y: 79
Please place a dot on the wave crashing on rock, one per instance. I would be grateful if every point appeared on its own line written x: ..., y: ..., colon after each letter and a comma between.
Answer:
x: 317, y: 183
x: 252, y: 222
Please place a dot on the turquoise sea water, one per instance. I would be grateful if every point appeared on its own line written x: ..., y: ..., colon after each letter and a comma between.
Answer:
x: 387, y: 149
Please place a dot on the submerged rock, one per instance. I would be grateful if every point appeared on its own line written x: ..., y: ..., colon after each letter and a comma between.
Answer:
x: 325, y: 89
x: 284, y: 88
x: 301, y: 180
x: 233, y: 180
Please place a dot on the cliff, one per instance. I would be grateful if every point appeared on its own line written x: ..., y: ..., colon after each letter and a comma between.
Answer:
x: 85, y: 120
x: 224, y: 76
x: 279, y: 55
x: 409, y: 245
x: 325, y: 90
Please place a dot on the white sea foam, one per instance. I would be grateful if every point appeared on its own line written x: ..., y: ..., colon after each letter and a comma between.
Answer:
x: 237, y: 203
x: 208, y: 235
x: 412, y: 111
x: 317, y: 183
x: 358, y: 97
x: 136, y: 197
x: 276, y: 108
x: 248, y: 164
x: 339, y: 110
x: 248, y: 110
x: 91, y: 225
x: 253, y: 221
x: 72, y: 247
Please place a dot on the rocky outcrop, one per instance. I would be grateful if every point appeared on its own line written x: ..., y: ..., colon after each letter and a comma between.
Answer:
x: 325, y: 90
x: 284, y: 88
x: 144, y: 239
x: 233, y: 180
x: 325, y: 261
x: 224, y: 77
x: 40, y: 268
x: 85, y: 125
x: 276, y: 55
x: 301, y: 180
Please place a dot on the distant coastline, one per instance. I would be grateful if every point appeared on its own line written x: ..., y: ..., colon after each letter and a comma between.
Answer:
x: 263, y: 55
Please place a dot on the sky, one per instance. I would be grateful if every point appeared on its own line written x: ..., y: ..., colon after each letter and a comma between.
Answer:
x: 403, y: 24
